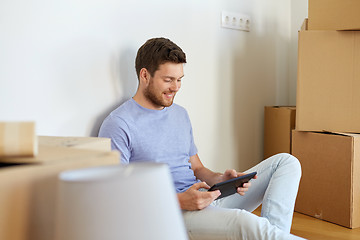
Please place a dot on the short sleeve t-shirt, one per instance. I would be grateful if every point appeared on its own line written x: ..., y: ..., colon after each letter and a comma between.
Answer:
x: 162, y: 136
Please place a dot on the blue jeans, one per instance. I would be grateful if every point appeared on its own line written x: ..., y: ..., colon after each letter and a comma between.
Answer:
x: 231, y: 218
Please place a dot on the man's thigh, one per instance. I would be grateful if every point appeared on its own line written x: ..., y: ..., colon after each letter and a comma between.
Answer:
x: 221, y: 223
x: 215, y: 223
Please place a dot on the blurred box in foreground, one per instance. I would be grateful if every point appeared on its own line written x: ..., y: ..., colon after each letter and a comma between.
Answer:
x: 27, y: 195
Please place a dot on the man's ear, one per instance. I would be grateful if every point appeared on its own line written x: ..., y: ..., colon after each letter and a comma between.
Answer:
x: 144, y: 76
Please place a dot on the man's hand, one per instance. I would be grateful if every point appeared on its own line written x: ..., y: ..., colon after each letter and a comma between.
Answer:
x: 232, y: 173
x: 193, y: 199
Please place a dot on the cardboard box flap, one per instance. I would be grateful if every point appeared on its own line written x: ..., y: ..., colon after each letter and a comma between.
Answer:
x: 55, y: 148
x: 355, y: 135
x: 50, y: 154
x: 304, y: 25
x: 287, y: 107
x: 90, y: 143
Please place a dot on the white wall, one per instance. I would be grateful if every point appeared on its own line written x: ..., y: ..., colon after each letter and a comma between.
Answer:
x: 299, y: 11
x: 66, y: 64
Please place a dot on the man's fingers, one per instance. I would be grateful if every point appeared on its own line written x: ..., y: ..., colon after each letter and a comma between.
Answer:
x: 204, y: 199
x: 241, y: 189
x: 201, y: 185
x: 247, y: 185
x: 215, y: 194
x: 239, y: 174
x: 210, y: 195
x: 231, y: 173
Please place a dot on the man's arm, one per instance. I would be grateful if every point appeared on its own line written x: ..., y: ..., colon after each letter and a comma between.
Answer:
x: 193, y: 199
x: 204, y: 174
x: 210, y: 177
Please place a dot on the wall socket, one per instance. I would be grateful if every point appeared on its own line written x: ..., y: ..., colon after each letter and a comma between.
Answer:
x: 236, y: 21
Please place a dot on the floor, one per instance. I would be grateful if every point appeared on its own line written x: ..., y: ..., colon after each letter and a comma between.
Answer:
x: 312, y: 228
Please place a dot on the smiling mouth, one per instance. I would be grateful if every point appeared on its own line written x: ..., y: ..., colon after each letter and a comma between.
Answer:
x: 169, y: 95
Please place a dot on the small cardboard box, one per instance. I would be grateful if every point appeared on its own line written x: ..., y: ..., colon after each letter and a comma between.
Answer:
x: 334, y: 15
x: 279, y: 121
x: 330, y: 183
x: 28, y: 191
x: 18, y: 139
x: 328, y: 86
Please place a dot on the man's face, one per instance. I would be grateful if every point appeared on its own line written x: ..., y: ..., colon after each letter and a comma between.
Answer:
x: 162, y: 87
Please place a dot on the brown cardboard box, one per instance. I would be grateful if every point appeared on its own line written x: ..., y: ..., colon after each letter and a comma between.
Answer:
x: 278, y: 124
x: 27, y: 191
x: 91, y: 143
x: 51, y: 148
x: 330, y: 184
x: 328, y: 86
x: 334, y: 15
x: 18, y: 139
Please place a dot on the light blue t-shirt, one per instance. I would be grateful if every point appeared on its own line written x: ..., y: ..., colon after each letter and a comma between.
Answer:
x: 163, y: 136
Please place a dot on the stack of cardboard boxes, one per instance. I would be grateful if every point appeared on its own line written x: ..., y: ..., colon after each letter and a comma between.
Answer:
x: 327, y: 139
x: 29, y: 168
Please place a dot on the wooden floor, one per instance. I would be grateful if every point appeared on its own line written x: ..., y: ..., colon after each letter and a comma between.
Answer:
x: 312, y: 228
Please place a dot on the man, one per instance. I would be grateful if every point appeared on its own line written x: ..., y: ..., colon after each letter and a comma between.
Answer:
x: 149, y: 127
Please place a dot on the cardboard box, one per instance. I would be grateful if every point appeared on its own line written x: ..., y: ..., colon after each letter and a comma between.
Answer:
x: 91, y: 143
x: 279, y: 121
x: 51, y: 148
x: 328, y: 86
x: 334, y: 14
x: 28, y: 191
x: 18, y: 139
x: 330, y: 184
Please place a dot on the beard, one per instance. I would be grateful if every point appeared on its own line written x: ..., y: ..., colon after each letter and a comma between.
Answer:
x: 156, y: 97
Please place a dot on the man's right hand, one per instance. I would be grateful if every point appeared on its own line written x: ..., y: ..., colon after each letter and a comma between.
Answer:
x: 193, y: 199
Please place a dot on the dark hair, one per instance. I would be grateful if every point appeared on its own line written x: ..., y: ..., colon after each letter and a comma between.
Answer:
x: 155, y: 52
